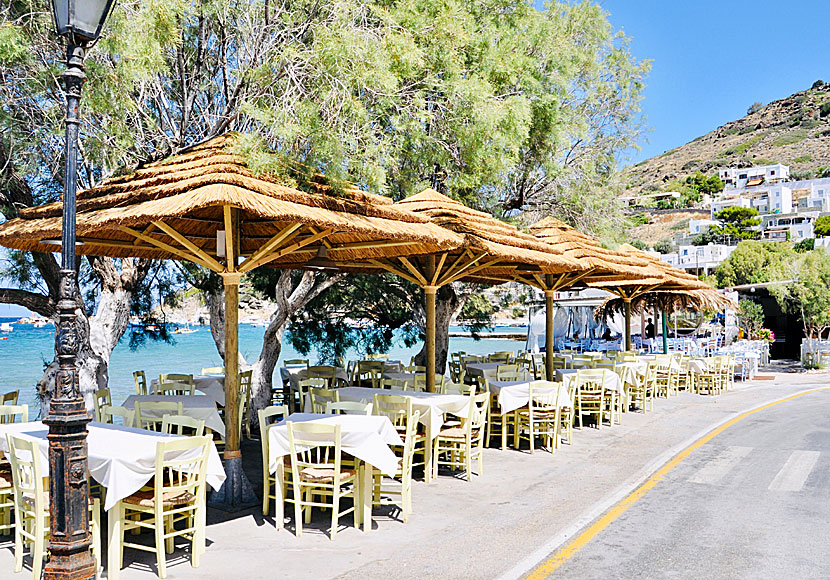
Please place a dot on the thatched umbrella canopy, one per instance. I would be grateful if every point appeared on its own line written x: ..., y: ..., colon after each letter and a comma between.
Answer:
x: 668, y: 301
x: 492, y: 252
x: 206, y: 206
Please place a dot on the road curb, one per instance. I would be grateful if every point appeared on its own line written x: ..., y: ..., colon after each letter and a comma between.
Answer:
x: 624, y: 490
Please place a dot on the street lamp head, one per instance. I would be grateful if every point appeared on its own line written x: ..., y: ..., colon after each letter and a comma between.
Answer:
x: 81, y: 20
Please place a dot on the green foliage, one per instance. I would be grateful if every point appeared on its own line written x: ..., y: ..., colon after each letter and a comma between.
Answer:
x: 805, y: 245
x: 790, y: 138
x: 808, y: 293
x: 477, y: 309
x: 664, y: 246
x: 750, y: 317
x: 742, y: 148
x: 803, y: 159
x: 639, y: 219
x: 824, y: 110
x: 821, y: 227
x: 639, y: 244
x: 736, y: 223
x: 754, y: 108
x: 754, y: 262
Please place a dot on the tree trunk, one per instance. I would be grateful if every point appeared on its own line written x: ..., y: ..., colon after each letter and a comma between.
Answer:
x: 447, y: 304
x: 98, y: 335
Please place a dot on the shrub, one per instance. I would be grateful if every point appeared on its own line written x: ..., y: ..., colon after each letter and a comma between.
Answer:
x: 801, y: 159
x: 824, y: 110
x: 754, y: 108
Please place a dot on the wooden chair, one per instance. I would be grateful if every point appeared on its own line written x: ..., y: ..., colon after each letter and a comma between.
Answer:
x: 177, y: 495
x: 541, y: 417
x: 508, y: 373
x: 245, y: 378
x: 457, y: 373
x: 213, y: 370
x: 296, y: 362
x: 321, y: 396
x: 537, y: 365
x: 377, y: 356
x: 9, y: 414
x: 14, y: 414
x: 398, y: 409
x: 323, y: 372
x: 182, y: 425
x: 140, y: 380
x: 460, y: 446
x: 348, y: 408
x: 566, y: 415
x: 401, y: 483
x: 100, y: 398
x: 453, y: 388
x: 303, y: 389
x: 175, y: 378
x: 369, y: 373
x: 590, y: 395
x: 318, y: 472
x: 109, y: 412
x: 31, y: 506
x: 9, y: 398
x: 498, y: 423
x: 267, y: 417
x: 503, y: 357
x: 394, y: 384
x: 150, y: 414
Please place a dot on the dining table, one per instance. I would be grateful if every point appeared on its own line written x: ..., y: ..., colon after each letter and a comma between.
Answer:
x: 513, y: 395
x: 121, y: 459
x: 212, y: 386
x: 432, y: 407
x: 195, y: 406
x: 365, y: 437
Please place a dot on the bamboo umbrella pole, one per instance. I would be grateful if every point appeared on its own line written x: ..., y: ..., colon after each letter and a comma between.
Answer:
x: 232, y: 444
x: 665, y: 333
x: 549, y: 328
x: 627, y: 309
x: 429, y: 292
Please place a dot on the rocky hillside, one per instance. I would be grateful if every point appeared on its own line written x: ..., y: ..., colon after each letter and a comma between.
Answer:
x: 794, y: 131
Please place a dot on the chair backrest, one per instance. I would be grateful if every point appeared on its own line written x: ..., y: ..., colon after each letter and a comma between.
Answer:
x: 348, y: 408
x: 296, y: 362
x: 140, y: 380
x: 245, y: 379
x: 500, y: 357
x: 175, y: 378
x: 267, y: 417
x: 396, y: 407
x: 458, y: 388
x: 14, y: 414
x: 315, y: 445
x: 213, y: 370
x: 109, y: 412
x: 100, y: 398
x: 394, y: 384
x: 419, y: 383
x: 591, y: 379
x: 477, y: 415
x: 304, y: 386
x: 150, y: 414
x: 507, y: 373
x: 175, y: 388
x: 320, y: 396
x: 9, y: 398
x: 182, y: 425
x: 582, y: 363
x: 27, y: 474
x: 543, y: 395
x: 377, y: 356
x: 178, y: 469
x: 605, y: 364
x: 322, y: 371
x: 409, y: 437
x: 465, y: 360
x: 416, y: 369
x: 370, y: 371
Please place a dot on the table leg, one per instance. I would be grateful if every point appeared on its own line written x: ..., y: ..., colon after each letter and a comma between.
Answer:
x: 367, y: 493
x: 113, y: 540
x: 279, y: 493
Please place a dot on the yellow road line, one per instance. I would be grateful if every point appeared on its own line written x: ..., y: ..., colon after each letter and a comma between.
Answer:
x: 550, y: 565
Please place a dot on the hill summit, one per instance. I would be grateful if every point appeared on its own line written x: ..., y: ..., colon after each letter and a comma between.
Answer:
x: 794, y: 131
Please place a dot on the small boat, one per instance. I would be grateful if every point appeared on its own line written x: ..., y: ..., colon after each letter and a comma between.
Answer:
x: 185, y: 330
x: 41, y: 322
x: 151, y: 328
x: 259, y: 323
x: 6, y: 327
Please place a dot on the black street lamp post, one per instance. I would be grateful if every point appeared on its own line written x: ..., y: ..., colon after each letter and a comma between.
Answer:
x: 80, y: 22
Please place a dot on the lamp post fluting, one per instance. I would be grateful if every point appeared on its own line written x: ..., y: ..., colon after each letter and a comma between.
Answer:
x: 80, y: 22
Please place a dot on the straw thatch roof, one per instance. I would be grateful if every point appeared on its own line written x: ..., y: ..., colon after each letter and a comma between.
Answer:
x: 492, y: 251
x: 173, y: 209
x: 669, y: 301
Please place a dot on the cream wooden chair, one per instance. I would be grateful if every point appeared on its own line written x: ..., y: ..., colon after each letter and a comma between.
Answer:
x: 178, y: 495
x: 509, y: 373
x: 415, y: 369
x: 140, y: 380
x: 498, y: 423
x: 453, y: 388
x: 321, y: 396
x: 394, y: 384
x: 398, y: 409
x: 175, y: 389
x: 166, y: 378
x: 109, y: 412
x: 318, y: 472
x: 323, y: 372
x: 401, y: 483
x: 378, y: 356
x: 457, y: 372
x: 267, y: 417
x: 348, y: 408
x: 150, y: 414
x: 9, y: 398
x: 303, y: 392
x: 566, y: 415
x: 100, y: 398
x: 369, y: 373
x: 590, y: 395
x: 182, y: 425
x: 9, y: 414
x: 460, y: 446
x: 213, y: 371
x: 31, y: 506
x: 296, y: 362
x: 245, y: 380
x: 503, y: 357
x: 541, y: 417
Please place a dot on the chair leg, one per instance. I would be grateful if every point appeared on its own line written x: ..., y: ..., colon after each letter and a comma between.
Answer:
x: 198, y: 536
x: 161, y: 556
x: 298, y: 511
x: 335, y: 511
x: 266, y: 489
x: 168, y: 542
x: 18, y: 543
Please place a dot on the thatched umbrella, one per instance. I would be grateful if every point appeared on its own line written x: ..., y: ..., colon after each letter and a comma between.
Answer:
x: 204, y: 205
x: 492, y: 252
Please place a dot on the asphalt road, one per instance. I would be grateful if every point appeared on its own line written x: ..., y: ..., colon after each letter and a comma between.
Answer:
x: 754, y: 502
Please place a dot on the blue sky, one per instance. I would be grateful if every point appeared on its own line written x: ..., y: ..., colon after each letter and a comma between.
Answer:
x: 712, y: 59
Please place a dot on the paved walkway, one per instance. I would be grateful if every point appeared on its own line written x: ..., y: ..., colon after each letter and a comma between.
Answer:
x: 459, y: 530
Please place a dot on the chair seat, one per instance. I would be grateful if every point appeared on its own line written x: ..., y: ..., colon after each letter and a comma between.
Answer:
x: 456, y: 433
x: 6, y: 481
x: 324, y: 474
x: 538, y: 414
x: 146, y: 498
x: 29, y: 500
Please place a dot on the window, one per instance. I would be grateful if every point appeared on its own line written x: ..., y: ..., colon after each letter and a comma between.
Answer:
x: 742, y: 176
x: 772, y: 172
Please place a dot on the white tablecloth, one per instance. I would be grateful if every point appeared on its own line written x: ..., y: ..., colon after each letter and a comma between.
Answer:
x: 405, y: 377
x: 516, y: 394
x: 432, y: 406
x: 612, y: 379
x: 297, y: 374
x: 211, y: 385
x: 196, y: 406
x: 483, y: 369
x: 366, y: 437
x: 122, y: 459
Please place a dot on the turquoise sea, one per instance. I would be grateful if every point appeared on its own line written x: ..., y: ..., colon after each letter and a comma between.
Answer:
x: 26, y: 350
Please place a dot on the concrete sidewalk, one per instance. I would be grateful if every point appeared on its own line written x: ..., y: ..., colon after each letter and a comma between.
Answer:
x: 464, y: 530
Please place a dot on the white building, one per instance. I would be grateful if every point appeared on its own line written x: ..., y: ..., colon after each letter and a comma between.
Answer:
x: 793, y: 226
x: 776, y: 198
x: 699, y: 259
x: 699, y: 226
x: 729, y: 201
x: 737, y: 178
